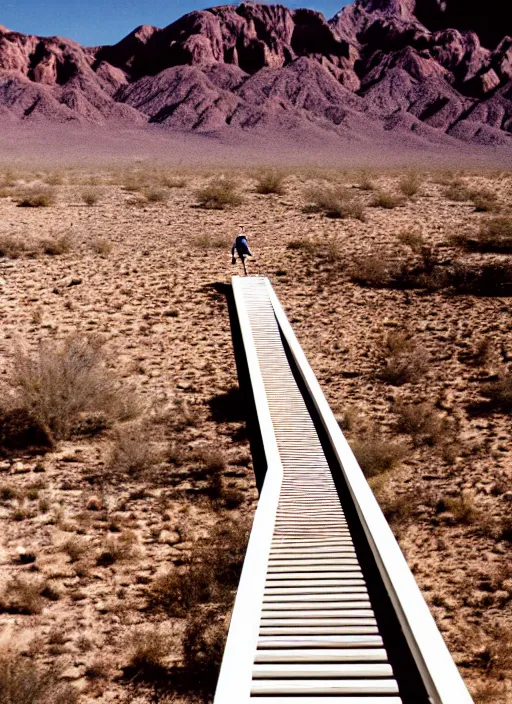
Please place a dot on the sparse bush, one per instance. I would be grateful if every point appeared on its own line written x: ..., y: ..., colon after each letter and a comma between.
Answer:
x: 179, y: 591
x: 101, y: 246
x: 398, y: 508
x: 55, y: 178
x: 422, y: 422
x: 21, y: 429
x: 457, y: 191
x: 270, y: 181
x: 203, y: 647
x: 22, y: 596
x: 132, y: 454
x: 211, y: 461
x: 220, y: 193
x: 303, y: 244
x: 494, y: 235
x: 24, y: 682
x: 211, y: 574
x: 376, y: 454
x: 334, y: 202
x: 7, y: 493
x: 402, y: 361
x: 62, y: 384
x: 490, y: 692
x: 485, y: 201
x: 117, y: 549
x: 133, y: 183
x: 375, y: 271
x: 90, y: 196
x: 58, y: 244
x: 365, y: 182
x: 499, y: 393
x: 412, y: 239
x: 36, y: 198
x: 487, y: 279
x: 13, y: 247
x: 174, y: 182
x: 156, y: 195
x: 148, y: 656
x: 388, y: 201
x: 461, y: 507
x: 410, y: 183
x: 75, y: 548
x: 211, y: 241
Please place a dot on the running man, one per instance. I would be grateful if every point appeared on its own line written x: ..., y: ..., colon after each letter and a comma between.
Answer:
x: 241, y: 247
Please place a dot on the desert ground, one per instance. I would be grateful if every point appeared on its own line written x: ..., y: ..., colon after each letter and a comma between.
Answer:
x: 126, y: 480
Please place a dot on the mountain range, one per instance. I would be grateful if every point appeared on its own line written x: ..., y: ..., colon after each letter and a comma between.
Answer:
x: 437, y: 70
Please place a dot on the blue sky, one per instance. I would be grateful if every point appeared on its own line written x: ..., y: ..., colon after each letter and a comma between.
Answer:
x: 93, y: 22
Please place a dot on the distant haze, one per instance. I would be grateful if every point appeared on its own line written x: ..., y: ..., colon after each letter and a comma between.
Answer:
x: 95, y: 22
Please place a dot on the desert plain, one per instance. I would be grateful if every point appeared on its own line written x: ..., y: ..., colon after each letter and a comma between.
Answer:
x: 126, y: 479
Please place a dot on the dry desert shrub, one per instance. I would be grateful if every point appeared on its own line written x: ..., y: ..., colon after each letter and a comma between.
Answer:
x: 457, y: 191
x: 220, y: 193
x: 333, y: 202
x: 412, y: 238
x: 210, y: 575
x: 423, y: 422
x: 270, y: 181
x: 61, y: 385
x: 211, y: 241
x: 147, y: 659
x: 75, y: 548
x: 54, y: 178
x: 132, y: 454
x: 24, y: 682
x: 23, y: 596
x: 21, y: 430
x: 365, y: 182
x: 499, y: 393
x: 377, y: 454
x: 169, y: 181
x: 397, y: 508
x: 302, y: 244
x: 91, y: 196
x: 375, y: 271
x: 35, y: 197
x: 388, y: 201
x: 210, y: 460
x: 494, y: 235
x: 117, y: 549
x: 101, y: 246
x: 462, y: 508
x: 402, y: 361
x: 481, y: 279
x: 485, y: 201
x: 56, y: 245
x: 490, y: 692
x: 410, y: 184
x: 8, y: 178
x: 156, y: 195
x: 14, y: 247
x: 203, y: 648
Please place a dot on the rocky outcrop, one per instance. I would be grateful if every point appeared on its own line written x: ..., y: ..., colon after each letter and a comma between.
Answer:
x: 423, y: 66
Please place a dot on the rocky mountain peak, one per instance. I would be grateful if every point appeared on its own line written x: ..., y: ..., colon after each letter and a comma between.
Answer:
x: 434, y: 69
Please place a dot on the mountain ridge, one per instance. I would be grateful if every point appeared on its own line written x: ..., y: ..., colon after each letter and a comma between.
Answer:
x: 373, y: 68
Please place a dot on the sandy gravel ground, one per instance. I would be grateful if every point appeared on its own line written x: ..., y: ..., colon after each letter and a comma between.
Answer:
x: 142, y: 275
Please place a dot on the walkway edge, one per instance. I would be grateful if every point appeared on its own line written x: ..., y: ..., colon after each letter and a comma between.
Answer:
x: 235, y: 677
x: 438, y: 670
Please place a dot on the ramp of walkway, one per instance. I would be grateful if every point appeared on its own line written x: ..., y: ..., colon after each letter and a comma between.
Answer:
x: 327, y: 609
